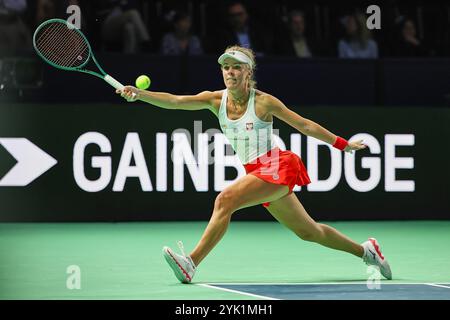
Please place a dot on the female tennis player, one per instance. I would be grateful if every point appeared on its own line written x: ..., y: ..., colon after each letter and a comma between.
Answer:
x: 246, y: 118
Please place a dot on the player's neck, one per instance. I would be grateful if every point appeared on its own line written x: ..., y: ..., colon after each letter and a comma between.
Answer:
x: 239, y: 97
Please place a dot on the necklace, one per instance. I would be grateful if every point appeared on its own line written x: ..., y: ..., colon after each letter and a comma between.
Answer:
x: 238, y: 101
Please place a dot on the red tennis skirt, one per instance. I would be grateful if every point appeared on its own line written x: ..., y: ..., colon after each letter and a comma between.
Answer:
x: 279, y: 167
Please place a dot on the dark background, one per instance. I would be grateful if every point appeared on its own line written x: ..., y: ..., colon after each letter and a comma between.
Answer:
x: 56, y: 196
x: 388, y: 95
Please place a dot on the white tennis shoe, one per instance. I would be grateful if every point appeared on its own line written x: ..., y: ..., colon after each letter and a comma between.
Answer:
x: 182, y: 265
x: 373, y: 256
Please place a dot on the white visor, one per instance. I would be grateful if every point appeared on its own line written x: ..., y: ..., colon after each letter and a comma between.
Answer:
x: 236, y: 55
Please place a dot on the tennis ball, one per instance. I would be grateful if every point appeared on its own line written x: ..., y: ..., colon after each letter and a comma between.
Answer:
x: 143, y: 82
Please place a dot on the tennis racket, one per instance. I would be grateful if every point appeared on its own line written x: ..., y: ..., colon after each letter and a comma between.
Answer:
x: 63, y: 46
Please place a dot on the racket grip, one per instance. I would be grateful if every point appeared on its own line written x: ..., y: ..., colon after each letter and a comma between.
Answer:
x: 116, y: 84
x: 113, y: 82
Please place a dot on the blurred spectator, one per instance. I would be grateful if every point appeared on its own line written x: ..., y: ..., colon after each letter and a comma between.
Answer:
x: 407, y: 43
x: 45, y: 9
x: 14, y: 34
x: 49, y: 9
x: 296, y: 42
x: 181, y: 40
x: 357, y: 42
x: 244, y: 31
x: 122, y: 25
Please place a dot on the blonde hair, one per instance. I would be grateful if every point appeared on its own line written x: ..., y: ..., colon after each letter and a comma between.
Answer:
x: 249, y: 53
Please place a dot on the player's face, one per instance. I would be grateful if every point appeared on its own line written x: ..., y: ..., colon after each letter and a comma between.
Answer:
x: 235, y: 74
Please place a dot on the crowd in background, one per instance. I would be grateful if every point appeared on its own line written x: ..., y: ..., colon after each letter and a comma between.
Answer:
x: 303, y: 29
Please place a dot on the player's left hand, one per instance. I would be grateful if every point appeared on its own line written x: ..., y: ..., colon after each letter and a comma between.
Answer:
x: 355, y: 145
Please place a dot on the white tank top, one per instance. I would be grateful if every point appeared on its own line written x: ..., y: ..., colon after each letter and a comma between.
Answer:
x: 249, y: 136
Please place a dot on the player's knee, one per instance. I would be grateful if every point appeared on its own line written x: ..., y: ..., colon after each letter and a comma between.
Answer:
x: 224, y: 201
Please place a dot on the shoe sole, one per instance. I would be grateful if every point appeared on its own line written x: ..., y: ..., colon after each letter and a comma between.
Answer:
x: 387, y: 270
x: 174, y: 266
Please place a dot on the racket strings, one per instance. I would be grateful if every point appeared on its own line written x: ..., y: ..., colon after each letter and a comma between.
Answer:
x: 82, y: 52
x: 76, y: 45
x: 50, y: 47
x: 60, y: 52
x: 45, y: 41
x: 72, y: 49
x: 69, y: 49
x: 54, y: 50
x: 44, y: 38
x: 62, y: 46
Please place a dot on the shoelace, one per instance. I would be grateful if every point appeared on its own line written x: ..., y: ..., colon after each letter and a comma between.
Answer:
x: 181, y: 247
x: 368, y: 259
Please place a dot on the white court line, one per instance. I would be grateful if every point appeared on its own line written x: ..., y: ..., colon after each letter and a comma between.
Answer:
x: 437, y: 285
x: 236, y: 291
x: 383, y: 282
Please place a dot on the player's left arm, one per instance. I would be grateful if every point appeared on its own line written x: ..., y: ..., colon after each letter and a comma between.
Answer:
x: 306, y: 126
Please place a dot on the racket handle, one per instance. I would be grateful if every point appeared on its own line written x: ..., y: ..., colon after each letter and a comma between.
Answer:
x: 116, y: 84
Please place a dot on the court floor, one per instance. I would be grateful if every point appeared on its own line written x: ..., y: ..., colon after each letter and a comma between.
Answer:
x: 255, y: 260
x: 338, y: 291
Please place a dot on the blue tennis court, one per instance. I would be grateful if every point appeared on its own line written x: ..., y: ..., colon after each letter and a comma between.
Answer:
x: 340, y: 291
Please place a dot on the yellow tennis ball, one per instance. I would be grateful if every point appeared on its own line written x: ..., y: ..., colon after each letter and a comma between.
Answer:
x: 143, y: 82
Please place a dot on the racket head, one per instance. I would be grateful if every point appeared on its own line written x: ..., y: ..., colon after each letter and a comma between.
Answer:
x: 62, y: 45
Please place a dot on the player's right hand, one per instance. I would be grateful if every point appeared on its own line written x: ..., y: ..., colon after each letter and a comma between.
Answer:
x: 129, y: 93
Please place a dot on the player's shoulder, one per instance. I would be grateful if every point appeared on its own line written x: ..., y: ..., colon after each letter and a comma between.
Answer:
x: 214, y: 99
x: 265, y: 99
x: 212, y: 94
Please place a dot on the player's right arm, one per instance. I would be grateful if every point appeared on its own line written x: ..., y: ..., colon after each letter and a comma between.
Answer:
x: 203, y: 100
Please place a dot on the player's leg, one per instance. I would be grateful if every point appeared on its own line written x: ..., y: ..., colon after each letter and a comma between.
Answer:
x: 290, y: 212
x: 247, y: 191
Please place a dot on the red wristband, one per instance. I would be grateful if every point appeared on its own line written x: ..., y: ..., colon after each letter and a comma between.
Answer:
x: 340, y: 143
